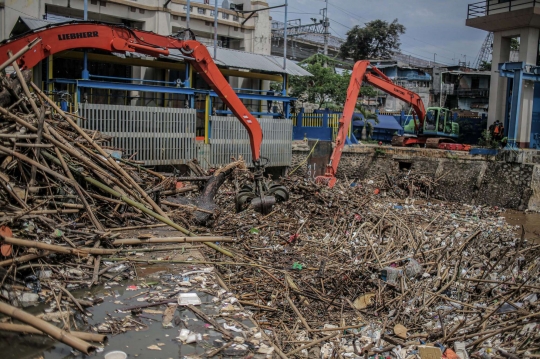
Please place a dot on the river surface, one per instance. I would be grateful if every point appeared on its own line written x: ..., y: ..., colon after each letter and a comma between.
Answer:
x: 136, y: 342
x: 529, y: 220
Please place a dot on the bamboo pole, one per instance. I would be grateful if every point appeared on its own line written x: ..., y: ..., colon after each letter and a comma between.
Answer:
x: 21, y: 328
x: 24, y: 85
x: 54, y: 248
x: 68, y: 173
x: 313, y: 343
x: 22, y: 259
x: 132, y: 241
x: 47, y: 328
x: 141, y: 207
x: 109, y: 158
x: 100, y: 172
x: 19, y: 53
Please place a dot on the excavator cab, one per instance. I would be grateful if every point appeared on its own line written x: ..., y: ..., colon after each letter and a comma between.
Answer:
x: 438, y: 122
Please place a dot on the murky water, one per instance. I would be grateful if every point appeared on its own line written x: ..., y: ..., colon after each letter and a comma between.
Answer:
x: 134, y: 343
x: 529, y: 220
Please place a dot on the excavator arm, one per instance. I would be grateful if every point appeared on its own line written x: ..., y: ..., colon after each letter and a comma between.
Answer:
x: 118, y: 38
x: 380, y: 81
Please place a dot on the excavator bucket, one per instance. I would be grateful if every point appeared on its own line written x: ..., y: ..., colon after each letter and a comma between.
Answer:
x: 261, y: 202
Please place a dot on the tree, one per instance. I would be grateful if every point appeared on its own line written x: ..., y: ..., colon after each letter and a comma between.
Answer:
x: 368, y: 91
x: 485, y: 66
x: 379, y: 39
x: 367, y: 130
x: 326, y: 86
x: 514, y: 44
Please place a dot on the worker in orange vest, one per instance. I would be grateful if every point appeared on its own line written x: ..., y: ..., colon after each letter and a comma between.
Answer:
x: 498, y: 129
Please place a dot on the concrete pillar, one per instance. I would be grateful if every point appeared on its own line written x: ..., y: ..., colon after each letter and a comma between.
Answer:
x: 497, y: 93
x: 528, y: 52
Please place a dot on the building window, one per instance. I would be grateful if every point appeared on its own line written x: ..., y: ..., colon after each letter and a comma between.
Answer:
x: 133, y: 9
x: 182, y: 18
x: 242, y: 30
x: 224, y: 16
x: 141, y: 11
x: 212, y: 12
x: 235, y: 29
x: 190, y: 8
x: 208, y: 23
x: 103, y: 3
x: 201, y: 11
x: 175, y: 17
x: 235, y: 17
x: 93, y: 2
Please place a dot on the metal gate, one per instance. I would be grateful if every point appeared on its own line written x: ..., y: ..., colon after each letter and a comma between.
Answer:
x: 229, y: 139
x: 155, y: 135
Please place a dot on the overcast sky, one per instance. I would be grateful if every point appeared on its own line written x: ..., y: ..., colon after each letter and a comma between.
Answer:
x: 432, y: 26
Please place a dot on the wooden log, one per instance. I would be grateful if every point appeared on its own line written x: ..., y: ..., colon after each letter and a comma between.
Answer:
x: 21, y: 328
x: 47, y: 328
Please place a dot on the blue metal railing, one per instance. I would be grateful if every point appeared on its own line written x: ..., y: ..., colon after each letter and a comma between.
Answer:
x: 485, y: 8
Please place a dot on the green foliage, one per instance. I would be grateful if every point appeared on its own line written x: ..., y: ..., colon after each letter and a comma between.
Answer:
x: 325, y: 87
x: 378, y: 39
x: 514, y: 44
x: 368, y: 91
x: 485, y: 66
x: 276, y: 86
x: 488, y: 141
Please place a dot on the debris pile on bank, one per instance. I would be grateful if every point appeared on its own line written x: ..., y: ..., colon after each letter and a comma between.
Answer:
x: 65, y: 200
x: 390, y: 275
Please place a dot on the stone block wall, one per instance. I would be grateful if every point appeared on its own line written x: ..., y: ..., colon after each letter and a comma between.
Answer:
x: 465, y: 179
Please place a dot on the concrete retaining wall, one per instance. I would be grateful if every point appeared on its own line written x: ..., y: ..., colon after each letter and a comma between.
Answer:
x: 460, y: 177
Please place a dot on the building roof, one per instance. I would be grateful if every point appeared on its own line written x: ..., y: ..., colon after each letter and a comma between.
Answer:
x: 386, y: 122
x: 25, y: 24
x: 250, y: 61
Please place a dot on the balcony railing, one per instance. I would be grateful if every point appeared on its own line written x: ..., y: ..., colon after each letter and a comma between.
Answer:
x: 490, y: 7
x: 472, y: 92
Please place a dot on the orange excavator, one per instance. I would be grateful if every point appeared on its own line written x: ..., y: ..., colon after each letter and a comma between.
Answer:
x: 55, y: 38
x: 430, y: 127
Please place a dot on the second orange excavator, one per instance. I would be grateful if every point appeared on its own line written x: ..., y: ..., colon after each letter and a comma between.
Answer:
x: 429, y: 128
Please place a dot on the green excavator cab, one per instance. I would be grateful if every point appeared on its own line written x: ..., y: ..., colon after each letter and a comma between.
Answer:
x: 438, y: 122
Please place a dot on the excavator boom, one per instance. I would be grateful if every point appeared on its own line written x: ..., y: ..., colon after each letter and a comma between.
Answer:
x: 382, y: 82
x: 118, y: 38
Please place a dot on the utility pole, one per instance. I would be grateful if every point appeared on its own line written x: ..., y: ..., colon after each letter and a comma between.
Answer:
x: 85, y: 73
x: 326, y: 24
x: 434, y: 59
x: 285, y: 36
x: 188, y: 12
x: 215, y: 29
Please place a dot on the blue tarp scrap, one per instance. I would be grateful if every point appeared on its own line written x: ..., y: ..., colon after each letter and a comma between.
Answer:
x: 386, y: 122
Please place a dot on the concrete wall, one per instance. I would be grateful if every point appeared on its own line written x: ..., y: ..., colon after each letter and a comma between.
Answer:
x: 463, y: 178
